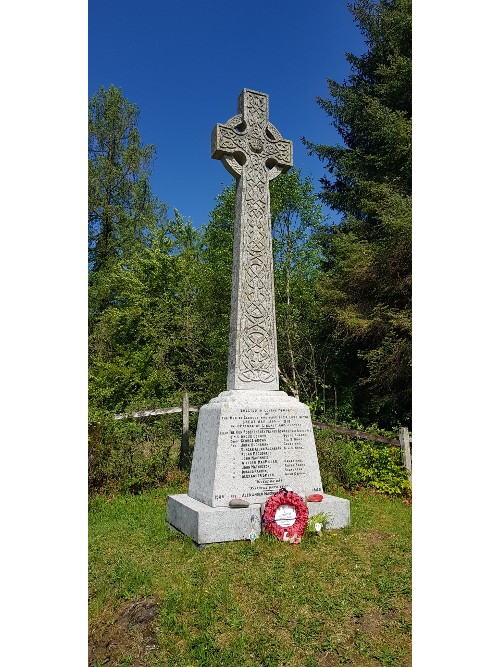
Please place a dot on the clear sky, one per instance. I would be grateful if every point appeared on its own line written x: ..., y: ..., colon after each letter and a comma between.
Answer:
x: 184, y: 64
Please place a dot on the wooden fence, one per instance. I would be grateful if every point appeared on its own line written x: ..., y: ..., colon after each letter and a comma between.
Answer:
x: 186, y: 409
x: 403, y: 441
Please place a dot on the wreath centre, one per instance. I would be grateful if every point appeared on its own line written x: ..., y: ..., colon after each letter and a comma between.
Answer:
x: 285, y: 515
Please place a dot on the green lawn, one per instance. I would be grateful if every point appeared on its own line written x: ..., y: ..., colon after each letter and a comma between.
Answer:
x: 339, y: 599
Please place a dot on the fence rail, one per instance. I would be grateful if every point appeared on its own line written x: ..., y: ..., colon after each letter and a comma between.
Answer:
x: 356, y: 434
x: 154, y: 413
x: 403, y: 441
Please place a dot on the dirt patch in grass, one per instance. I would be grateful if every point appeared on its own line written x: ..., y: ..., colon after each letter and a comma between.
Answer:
x: 130, y: 635
x: 374, y: 537
x: 372, y: 623
x: 328, y: 660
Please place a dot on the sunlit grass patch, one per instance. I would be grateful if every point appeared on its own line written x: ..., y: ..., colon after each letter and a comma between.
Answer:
x: 339, y: 598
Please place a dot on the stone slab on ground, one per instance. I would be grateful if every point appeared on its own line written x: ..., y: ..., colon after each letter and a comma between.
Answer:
x: 207, y: 525
x: 337, y: 508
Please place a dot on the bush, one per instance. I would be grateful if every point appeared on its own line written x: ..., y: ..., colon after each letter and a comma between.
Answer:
x: 337, y: 460
x: 132, y: 455
x: 351, y: 463
x: 379, y: 466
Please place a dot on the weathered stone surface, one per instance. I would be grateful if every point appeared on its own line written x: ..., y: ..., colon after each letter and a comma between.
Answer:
x: 206, y: 525
x: 254, y: 152
x: 338, y: 510
x: 251, y: 443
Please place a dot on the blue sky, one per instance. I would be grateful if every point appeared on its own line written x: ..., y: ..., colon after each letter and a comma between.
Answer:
x: 185, y: 63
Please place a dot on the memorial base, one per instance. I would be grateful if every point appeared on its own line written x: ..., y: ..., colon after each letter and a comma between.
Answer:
x: 249, y: 444
x: 206, y: 525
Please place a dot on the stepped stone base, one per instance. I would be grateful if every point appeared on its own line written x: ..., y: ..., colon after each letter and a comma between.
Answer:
x: 206, y: 525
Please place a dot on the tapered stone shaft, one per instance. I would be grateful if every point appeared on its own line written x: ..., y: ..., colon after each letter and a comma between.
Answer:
x: 254, y: 152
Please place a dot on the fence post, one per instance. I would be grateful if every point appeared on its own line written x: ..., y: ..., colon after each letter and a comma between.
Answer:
x: 404, y: 442
x: 184, y: 453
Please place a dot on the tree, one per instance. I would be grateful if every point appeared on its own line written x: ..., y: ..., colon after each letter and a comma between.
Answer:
x: 149, y: 345
x: 122, y: 209
x: 217, y: 261
x: 146, y: 340
x: 366, y: 294
x: 296, y: 218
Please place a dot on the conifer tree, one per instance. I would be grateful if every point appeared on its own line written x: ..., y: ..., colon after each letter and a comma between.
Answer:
x: 366, y: 293
x: 122, y: 210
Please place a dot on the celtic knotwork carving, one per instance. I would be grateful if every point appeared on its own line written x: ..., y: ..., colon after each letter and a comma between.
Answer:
x: 253, y: 150
x: 257, y: 355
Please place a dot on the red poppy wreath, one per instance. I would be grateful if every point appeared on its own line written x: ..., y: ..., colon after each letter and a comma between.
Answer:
x: 285, y: 515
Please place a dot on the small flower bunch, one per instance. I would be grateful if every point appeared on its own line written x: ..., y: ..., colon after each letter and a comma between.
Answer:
x: 317, y: 523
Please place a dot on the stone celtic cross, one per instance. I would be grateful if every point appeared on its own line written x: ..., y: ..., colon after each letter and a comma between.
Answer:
x: 254, y: 152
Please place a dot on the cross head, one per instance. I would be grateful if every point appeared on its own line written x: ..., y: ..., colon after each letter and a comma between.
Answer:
x: 249, y: 134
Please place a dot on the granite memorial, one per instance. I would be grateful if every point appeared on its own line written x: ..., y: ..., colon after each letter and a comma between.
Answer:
x: 253, y: 438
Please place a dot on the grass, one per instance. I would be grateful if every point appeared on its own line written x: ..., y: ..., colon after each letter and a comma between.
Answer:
x: 339, y: 599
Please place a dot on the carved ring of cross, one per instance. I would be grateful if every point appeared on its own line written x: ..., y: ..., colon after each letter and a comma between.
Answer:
x: 246, y: 134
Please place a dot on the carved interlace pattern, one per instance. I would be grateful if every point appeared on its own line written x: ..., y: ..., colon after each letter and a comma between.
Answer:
x: 245, y: 144
x: 257, y: 360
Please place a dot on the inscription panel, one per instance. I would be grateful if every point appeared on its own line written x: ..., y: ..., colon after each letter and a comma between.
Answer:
x: 265, y: 449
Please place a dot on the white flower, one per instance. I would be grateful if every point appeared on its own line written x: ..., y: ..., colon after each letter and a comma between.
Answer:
x: 318, y: 527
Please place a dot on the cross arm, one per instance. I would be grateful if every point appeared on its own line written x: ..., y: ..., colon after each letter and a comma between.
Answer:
x: 228, y: 145
x: 225, y: 140
x: 280, y: 151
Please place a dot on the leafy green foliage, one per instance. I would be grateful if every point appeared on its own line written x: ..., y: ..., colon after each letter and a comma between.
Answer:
x: 365, y: 296
x: 319, y: 518
x: 296, y: 218
x: 380, y: 467
x: 148, y: 335
x: 215, y: 276
x: 147, y: 346
x: 131, y: 455
x: 122, y: 210
x: 349, y: 463
x: 337, y: 461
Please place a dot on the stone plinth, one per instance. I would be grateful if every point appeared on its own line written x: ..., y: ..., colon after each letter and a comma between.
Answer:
x: 206, y: 525
x: 251, y: 443
x: 248, y: 445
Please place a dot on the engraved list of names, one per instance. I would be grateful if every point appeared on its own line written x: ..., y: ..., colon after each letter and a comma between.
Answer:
x: 268, y: 449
